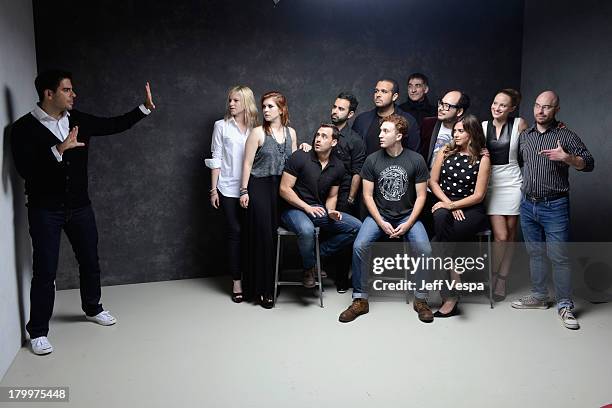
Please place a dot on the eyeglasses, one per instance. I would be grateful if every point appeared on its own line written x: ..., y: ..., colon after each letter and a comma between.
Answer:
x: 545, y: 108
x: 446, y: 106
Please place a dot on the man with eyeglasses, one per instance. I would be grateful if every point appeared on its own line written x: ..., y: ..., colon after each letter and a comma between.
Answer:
x: 546, y: 153
x: 437, y: 133
x: 367, y: 124
x: 418, y: 104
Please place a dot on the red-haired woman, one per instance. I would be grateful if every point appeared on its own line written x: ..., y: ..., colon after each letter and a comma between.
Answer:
x: 267, y: 149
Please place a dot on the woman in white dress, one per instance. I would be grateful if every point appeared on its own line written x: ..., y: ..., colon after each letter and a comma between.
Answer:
x: 228, y: 141
x: 504, y: 193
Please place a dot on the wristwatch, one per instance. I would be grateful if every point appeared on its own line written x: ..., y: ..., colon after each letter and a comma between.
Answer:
x: 350, y: 200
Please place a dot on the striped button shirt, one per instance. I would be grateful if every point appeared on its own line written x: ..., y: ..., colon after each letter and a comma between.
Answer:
x: 543, y: 177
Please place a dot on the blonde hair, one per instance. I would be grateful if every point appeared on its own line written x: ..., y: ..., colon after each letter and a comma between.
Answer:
x: 250, y: 107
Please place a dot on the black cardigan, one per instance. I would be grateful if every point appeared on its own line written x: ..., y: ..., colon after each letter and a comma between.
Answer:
x: 57, y: 185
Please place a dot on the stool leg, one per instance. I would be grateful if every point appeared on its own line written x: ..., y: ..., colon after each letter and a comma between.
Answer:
x: 278, y: 247
x: 319, y: 268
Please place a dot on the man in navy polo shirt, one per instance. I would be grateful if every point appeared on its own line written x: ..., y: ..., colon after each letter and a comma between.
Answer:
x: 310, y: 185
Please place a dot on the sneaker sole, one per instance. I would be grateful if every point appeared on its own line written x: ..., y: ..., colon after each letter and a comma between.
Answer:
x: 541, y: 307
x: 91, y: 319
x: 571, y: 327
x: 42, y: 353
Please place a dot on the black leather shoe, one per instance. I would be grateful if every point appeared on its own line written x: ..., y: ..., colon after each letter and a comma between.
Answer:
x: 267, y: 302
x: 454, y: 312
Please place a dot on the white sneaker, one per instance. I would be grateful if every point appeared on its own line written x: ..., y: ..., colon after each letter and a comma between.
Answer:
x: 104, y: 318
x: 41, y: 345
x: 568, y: 319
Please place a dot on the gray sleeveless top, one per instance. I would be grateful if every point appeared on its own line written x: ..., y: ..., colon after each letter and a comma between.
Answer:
x: 271, y: 156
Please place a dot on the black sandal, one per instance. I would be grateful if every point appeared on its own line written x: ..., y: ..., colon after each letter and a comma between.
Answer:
x: 237, y: 297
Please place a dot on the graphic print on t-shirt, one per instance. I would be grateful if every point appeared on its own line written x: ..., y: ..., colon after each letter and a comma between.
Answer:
x: 393, y: 183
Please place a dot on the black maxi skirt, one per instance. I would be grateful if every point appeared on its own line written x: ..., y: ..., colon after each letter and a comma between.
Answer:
x: 260, y: 237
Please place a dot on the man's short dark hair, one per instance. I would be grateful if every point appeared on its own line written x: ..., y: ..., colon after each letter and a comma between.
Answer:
x: 418, y: 75
x: 50, y: 79
x: 351, y: 98
x: 393, y: 81
x: 464, y: 101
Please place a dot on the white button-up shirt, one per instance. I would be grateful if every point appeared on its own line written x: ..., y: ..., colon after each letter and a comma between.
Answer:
x: 227, y: 154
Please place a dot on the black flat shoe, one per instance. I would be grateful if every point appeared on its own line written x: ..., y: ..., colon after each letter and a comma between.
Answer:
x: 454, y: 312
x: 267, y: 302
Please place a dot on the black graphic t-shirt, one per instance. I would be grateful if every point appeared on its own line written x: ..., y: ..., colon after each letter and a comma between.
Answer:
x: 394, y: 179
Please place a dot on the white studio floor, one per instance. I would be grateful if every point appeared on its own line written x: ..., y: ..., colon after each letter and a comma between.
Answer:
x: 185, y: 344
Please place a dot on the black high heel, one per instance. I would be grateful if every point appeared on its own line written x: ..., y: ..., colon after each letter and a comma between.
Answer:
x: 237, y: 297
x: 454, y: 311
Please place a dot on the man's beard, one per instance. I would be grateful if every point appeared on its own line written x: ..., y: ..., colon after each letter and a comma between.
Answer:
x: 337, y: 121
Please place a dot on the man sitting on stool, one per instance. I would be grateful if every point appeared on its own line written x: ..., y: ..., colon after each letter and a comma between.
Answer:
x: 310, y: 184
x: 391, y: 176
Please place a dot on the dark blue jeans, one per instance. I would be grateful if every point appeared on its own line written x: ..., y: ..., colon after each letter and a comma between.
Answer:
x: 545, y: 228
x: 45, y: 229
x: 340, y: 233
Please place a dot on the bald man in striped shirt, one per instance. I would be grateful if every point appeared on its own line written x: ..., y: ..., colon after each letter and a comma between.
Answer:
x: 546, y: 153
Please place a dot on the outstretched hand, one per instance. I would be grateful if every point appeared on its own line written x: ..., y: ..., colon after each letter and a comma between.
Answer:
x: 70, y: 142
x: 148, y: 98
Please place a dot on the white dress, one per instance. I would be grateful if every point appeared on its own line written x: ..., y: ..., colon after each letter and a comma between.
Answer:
x: 504, y: 192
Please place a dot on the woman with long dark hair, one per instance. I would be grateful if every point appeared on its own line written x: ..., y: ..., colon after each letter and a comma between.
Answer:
x: 504, y: 194
x: 267, y: 149
x: 228, y: 140
x: 459, y: 180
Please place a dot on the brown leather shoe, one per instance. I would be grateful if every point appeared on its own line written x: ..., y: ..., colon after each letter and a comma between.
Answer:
x: 357, y: 308
x: 422, y: 308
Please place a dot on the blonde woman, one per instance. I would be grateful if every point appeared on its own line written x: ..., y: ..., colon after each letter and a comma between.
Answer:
x: 504, y: 193
x: 228, y: 140
x: 267, y: 149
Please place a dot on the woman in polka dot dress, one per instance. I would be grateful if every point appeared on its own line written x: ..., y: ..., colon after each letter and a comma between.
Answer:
x: 459, y: 179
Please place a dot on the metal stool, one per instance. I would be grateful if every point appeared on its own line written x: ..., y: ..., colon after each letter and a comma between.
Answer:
x: 487, y: 234
x: 282, y: 232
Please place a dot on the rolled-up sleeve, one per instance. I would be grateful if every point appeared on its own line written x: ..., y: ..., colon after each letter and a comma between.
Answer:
x: 216, y: 147
x: 576, y: 147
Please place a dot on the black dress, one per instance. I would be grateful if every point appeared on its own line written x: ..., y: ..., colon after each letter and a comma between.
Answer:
x: 458, y: 180
x: 262, y: 217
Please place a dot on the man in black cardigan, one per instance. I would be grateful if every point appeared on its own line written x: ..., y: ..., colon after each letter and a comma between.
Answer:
x: 50, y: 149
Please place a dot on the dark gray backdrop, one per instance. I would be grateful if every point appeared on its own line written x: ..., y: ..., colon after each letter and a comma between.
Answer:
x: 149, y: 185
x: 567, y: 48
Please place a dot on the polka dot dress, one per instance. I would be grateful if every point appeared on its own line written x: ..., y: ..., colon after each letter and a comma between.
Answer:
x: 458, y: 176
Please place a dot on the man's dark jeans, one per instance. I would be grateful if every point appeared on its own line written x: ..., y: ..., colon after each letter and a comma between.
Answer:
x: 45, y: 229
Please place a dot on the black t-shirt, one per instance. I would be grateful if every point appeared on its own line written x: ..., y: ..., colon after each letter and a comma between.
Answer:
x: 313, y: 183
x: 394, y: 181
